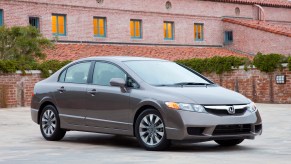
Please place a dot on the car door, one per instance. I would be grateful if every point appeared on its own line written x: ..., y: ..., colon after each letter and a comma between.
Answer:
x: 71, y: 92
x: 108, y: 106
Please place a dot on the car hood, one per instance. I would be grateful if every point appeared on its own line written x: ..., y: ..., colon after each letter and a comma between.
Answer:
x: 211, y: 95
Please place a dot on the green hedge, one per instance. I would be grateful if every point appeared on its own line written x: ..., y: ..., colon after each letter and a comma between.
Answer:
x: 11, y: 66
x: 270, y: 62
x: 215, y: 64
x: 219, y: 65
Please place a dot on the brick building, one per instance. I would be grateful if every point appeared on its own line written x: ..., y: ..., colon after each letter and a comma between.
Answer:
x: 172, y: 29
x: 169, y: 29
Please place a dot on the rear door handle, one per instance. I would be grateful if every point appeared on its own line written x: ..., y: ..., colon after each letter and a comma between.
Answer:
x: 62, y: 89
x: 93, y: 92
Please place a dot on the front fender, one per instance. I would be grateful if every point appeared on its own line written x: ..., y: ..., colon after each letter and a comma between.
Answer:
x: 149, y: 102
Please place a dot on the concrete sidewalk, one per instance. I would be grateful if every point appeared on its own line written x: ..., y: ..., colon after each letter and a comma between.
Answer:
x: 21, y: 142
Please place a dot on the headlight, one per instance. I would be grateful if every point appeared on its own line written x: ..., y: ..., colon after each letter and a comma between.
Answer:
x: 252, y: 107
x: 187, y: 107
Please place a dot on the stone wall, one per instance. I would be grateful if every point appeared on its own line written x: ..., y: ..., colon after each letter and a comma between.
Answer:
x: 256, y: 85
x: 16, y: 89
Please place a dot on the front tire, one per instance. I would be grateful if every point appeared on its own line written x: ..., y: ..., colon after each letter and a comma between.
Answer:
x: 50, y: 124
x: 150, y: 131
x: 232, y: 142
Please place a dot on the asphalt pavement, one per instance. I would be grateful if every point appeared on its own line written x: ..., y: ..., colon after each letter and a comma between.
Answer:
x: 21, y: 142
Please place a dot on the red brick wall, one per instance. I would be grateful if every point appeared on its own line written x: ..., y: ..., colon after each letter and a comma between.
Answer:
x: 153, y: 12
x: 184, y: 7
x: 251, y: 40
x: 253, y: 84
x: 256, y: 85
x: 80, y: 26
x: 18, y: 89
x: 278, y: 14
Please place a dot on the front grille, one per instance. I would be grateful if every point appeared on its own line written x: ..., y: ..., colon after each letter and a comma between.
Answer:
x: 195, y: 130
x: 223, y: 112
x: 232, y: 129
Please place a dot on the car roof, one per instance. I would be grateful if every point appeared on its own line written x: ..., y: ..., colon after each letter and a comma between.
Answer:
x: 122, y: 58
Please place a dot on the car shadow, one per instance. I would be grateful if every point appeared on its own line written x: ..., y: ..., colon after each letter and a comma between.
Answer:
x: 132, y: 143
x: 102, y: 139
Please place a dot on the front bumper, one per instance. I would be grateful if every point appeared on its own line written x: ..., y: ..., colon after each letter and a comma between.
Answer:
x: 184, y: 125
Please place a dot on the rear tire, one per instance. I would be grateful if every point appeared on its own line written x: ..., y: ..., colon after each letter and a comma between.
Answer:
x: 150, y: 131
x: 50, y: 124
x: 232, y: 142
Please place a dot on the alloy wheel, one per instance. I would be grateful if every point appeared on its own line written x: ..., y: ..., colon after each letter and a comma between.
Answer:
x: 151, y: 129
x: 49, y: 122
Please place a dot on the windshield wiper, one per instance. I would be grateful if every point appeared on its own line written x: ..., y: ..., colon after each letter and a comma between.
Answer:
x: 192, y: 83
x: 183, y: 84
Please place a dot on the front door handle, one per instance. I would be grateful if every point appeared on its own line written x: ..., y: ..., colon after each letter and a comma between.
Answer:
x: 62, y: 89
x: 93, y: 92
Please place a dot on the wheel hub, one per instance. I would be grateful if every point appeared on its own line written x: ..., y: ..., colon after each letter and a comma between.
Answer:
x: 151, y: 129
x: 48, y: 122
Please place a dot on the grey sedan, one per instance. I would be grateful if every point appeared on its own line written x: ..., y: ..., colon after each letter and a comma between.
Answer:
x: 155, y: 100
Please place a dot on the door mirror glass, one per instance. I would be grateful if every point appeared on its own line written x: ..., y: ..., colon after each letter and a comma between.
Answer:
x: 117, y: 82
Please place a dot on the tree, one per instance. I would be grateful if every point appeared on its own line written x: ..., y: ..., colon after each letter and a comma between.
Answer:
x: 24, y: 44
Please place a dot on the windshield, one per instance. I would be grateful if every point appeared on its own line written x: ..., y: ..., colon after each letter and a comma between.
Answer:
x: 161, y: 73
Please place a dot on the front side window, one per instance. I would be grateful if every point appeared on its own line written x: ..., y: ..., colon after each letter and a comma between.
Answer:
x: 59, y: 24
x: 161, y: 73
x: 99, y: 25
x: 77, y: 73
x: 104, y: 72
x: 1, y: 17
x: 135, y: 28
x: 168, y: 30
x: 34, y: 22
x: 198, y: 32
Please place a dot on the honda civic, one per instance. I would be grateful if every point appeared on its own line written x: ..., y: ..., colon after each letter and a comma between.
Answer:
x: 157, y: 101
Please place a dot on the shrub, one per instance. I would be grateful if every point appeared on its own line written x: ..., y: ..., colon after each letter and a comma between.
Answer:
x: 8, y: 66
x: 215, y: 64
x: 11, y: 66
x: 289, y: 63
x: 269, y: 62
x: 51, y: 65
x: 22, y: 44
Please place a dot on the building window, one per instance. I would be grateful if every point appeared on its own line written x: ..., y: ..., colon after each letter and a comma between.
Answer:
x: 237, y: 11
x: 99, y: 26
x: 168, y: 30
x: 198, y: 32
x: 99, y: 1
x: 1, y: 17
x: 59, y: 24
x: 34, y: 21
x: 228, y: 37
x: 168, y: 5
x: 135, y: 29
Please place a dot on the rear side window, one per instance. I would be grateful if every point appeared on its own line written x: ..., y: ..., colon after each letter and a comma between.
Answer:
x: 104, y: 72
x: 77, y: 73
x: 62, y: 77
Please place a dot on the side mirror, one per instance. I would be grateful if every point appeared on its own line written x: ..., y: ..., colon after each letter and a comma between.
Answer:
x: 117, y: 82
